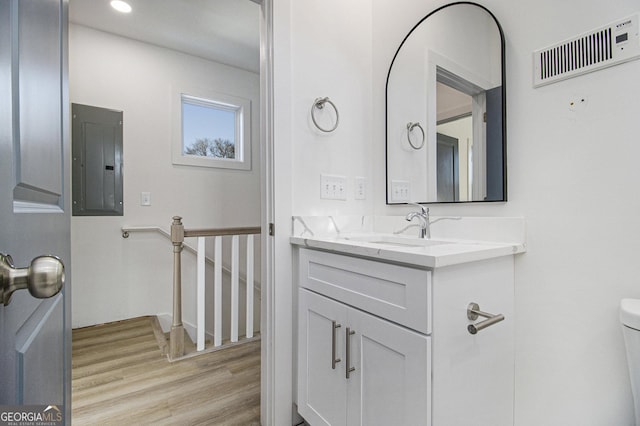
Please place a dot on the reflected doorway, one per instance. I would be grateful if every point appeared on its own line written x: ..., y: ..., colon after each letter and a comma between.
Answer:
x: 454, y: 144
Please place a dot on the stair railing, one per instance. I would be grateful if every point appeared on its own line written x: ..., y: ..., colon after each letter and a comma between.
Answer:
x: 178, y: 234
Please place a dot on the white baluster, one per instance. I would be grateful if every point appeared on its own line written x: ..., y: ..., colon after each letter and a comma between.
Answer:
x: 249, y: 286
x: 234, y: 287
x: 200, y: 327
x: 217, y: 292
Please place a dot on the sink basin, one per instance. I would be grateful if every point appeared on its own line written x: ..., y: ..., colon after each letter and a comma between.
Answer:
x: 395, y: 241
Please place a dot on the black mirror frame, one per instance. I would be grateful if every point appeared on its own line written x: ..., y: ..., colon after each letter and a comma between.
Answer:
x: 504, y: 110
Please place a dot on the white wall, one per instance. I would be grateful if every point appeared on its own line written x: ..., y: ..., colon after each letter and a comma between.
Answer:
x: 571, y: 174
x: 116, y: 278
x: 319, y: 49
x: 343, y: 74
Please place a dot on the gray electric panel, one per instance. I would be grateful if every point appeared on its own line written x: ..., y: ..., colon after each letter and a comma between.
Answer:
x: 96, y: 139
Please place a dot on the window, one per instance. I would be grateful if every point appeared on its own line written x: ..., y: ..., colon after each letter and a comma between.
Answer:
x: 213, y: 131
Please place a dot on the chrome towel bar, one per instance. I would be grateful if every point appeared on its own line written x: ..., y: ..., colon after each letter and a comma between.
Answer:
x: 473, y: 312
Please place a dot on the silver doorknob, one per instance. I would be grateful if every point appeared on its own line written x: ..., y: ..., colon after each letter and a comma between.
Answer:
x: 43, y: 278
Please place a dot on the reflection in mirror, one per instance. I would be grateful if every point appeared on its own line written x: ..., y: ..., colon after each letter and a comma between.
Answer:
x: 454, y: 138
x: 447, y: 80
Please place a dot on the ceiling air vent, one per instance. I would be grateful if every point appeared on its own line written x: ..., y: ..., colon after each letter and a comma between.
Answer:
x: 610, y: 45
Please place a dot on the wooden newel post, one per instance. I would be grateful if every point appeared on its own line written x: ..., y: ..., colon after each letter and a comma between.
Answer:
x: 176, y: 336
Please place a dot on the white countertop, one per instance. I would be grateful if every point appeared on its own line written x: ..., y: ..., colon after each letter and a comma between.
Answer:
x: 461, y: 239
x: 445, y: 253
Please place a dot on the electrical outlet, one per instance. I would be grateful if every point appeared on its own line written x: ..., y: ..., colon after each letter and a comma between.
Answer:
x: 145, y: 198
x: 361, y: 188
x: 400, y: 191
x: 333, y: 187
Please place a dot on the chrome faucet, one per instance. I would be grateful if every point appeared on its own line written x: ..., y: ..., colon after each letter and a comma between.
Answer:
x: 423, y: 217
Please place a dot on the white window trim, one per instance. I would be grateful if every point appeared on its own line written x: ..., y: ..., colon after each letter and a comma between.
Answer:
x: 205, y: 97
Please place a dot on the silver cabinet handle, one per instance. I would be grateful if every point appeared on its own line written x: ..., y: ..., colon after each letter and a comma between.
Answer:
x: 473, y: 312
x: 349, y: 369
x: 43, y: 278
x: 334, y: 360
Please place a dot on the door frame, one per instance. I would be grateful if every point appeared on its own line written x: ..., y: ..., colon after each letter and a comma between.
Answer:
x: 277, y: 326
x: 267, y: 358
x: 442, y: 69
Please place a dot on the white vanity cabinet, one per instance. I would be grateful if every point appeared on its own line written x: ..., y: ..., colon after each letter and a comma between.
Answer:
x: 381, y: 379
x: 400, y: 331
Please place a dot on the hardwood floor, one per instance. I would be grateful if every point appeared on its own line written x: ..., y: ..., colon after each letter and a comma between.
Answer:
x: 120, y: 377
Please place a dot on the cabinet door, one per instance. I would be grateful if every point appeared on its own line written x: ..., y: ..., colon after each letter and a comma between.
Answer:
x: 322, y: 394
x: 392, y: 378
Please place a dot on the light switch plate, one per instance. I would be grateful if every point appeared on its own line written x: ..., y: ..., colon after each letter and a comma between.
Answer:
x: 333, y: 187
x: 361, y: 188
x: 145, y: 198
x: 400, y: 191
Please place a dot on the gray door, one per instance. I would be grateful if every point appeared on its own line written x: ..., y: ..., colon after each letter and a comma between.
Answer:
x: 496, y: 183
x: 35, y: 338
x: 448, y: 184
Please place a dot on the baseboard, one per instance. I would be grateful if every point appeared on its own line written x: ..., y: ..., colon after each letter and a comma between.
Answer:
x: 166, y: 320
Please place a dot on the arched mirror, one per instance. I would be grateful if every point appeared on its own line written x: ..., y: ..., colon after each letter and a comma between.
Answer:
x: 445, y: 106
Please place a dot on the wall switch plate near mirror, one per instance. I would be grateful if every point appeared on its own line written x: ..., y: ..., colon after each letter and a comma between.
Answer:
x: 445, y: 110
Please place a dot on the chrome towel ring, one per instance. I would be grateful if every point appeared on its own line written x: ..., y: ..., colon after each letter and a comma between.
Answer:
x: 410, y: 127
x: 319, y: 103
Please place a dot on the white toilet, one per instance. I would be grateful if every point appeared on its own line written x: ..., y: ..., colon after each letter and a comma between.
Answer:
x: 630, y: 319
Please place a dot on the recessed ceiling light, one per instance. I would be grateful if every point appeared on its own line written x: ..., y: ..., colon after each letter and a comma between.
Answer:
x: 121, y: 6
